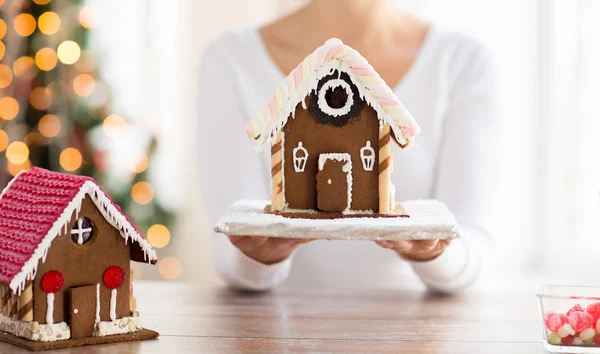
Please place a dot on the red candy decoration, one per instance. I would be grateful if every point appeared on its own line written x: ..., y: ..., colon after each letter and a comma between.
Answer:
x: 594, y: 310
x: 52, y: 282
x: 554, y: 321
x: 576, y: 308
x: 597, y: 339
x: 114, y: 277
x: 565, y: 318
x: 581, y: 320
x: 568, y: 340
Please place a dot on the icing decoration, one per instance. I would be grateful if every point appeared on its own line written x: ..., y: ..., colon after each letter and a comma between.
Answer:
x: 367, y: 156
x: 333, y: 55
x: 329, y: 181
x: 347, y: 168
x: 53, y: 198
x: 97, y: 302
x: 327, y: 88
x: 50, y: 308
x: 300, y: 160
x: 119, y: 326
x: 113, y: 304
x: 114, y: 278
x: 82, y: 231
x: 35, y: 331
x: 75, y: 310
x: 52, y: 282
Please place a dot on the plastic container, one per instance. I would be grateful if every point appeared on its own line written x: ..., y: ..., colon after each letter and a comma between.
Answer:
x: 563, y: 330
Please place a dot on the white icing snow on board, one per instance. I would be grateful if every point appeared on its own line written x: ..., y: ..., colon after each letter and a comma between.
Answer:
x: 429, y: 219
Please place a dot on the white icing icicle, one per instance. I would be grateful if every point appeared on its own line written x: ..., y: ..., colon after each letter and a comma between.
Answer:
x: 50, y: 308
x: 113, y: 304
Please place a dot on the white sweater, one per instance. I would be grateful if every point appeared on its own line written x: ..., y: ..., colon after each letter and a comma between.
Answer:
x: 450, y: 90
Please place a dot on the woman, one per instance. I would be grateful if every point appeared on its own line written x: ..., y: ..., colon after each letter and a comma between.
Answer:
x: 445, y: 80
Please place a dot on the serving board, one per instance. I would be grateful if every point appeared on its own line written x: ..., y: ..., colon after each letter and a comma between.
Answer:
x: 419, y: 220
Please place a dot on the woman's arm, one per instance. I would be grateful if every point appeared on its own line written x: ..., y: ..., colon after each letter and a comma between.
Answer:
x: 229, y: 169
x: 467, y: 171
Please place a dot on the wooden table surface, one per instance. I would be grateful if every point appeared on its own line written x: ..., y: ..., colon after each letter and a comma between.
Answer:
x: 196, y: 319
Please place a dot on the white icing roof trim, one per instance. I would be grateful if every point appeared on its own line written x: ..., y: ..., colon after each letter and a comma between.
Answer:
x: 108, y: 211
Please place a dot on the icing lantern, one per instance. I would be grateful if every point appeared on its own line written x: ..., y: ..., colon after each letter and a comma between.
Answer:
x: 52, y: 282
x: 113, y: 278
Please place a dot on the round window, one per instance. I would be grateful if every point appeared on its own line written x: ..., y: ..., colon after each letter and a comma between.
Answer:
x: 337, y: 100
x: 82, y: 231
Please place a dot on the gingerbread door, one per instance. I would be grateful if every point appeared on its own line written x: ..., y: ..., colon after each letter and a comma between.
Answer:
x: 82, y: 310
x: 333, y: 182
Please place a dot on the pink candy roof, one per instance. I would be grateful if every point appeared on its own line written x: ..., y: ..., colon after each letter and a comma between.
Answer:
x: 36, y: 207
x: 333, y: 55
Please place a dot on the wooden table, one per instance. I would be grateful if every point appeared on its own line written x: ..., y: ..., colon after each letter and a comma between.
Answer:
x: 196, y: 319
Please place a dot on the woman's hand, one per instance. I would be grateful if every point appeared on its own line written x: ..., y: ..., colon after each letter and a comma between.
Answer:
x: 266, y: 250
x: 416, y: 250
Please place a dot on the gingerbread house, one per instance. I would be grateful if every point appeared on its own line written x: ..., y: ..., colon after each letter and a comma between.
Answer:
x: 329, y: 125
x: 65, y: 249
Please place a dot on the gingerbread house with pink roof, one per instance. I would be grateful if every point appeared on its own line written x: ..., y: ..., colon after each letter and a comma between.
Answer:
x: 65, y: 249
x: 330, y: 124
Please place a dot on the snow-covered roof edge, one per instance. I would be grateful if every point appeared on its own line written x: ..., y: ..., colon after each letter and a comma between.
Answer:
x: 108, y: 211
x: 333, y: 55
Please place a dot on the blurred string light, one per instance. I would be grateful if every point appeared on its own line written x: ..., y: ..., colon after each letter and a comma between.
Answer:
x: 9, y: 108
x: 6, y: 76
x: 2, y: 29
x: 46, y: 59
x: 49, y: 23
x: 142, y: 193
x: 40, y: 98
x: 114, y: 125
x: 70, y: 159
x: 34, y: 138
x: 140, y: 163
x: 68, y: 52
x: 13, y: 169
x: 3, y: 140
x: 158, y: 235
x: 24, y: 25
x: 2, y: 50
x: 84, y: 85
x: 49, y: 126
x: 24, y: 67
x: 41, y: 2
x: 17, y: 152
x: 87, y: 17
x: 169, y: 268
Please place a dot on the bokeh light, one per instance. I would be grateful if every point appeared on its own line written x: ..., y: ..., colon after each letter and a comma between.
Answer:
x: 139, y: 164
x: 17, y: 152
x: 169, y: 268
x: 13, y: 168
x: 68, y: 52
x: 49, y: 23
x: 158, y: 235
x: 114, y: 125
x: 2, y: 29
x: 3, y: 140
x: 70, y: 159
x: 41, y: 2
x: 84, y: 85
x: 40, y: 98
x: 9, y: 108
x: 2, y: 50
x: 6, y: 76
x: 87, y: 17
x: 49, y: 126
x: 46, y: 59
x: 24, y: 24
x: 142, y: 193
x: 86, y: 62
x: 24, y: 67
x: 34, y: 138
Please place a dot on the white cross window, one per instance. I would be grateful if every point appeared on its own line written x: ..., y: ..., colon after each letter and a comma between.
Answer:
x: 82, y: 231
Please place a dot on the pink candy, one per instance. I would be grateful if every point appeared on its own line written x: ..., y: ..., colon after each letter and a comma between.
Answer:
x: 594, y: 310
x: 580, y: 320
x: 554, y: 320
x: 576, y: 308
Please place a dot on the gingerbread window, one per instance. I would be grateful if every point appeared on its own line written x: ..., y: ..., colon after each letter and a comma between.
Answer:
x: 336, y: 101
x: 82, y: 231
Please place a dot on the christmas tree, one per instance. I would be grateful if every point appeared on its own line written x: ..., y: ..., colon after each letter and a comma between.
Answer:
x: 56, y: 111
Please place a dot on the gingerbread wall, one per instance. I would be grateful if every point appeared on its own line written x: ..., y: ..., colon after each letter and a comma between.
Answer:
x: 317, y: 138
x: 84, y: 265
